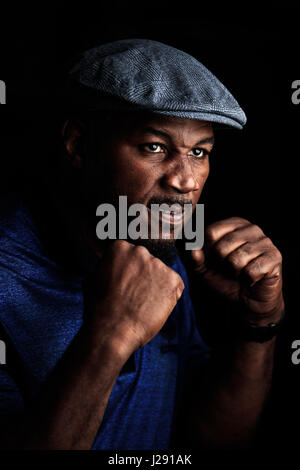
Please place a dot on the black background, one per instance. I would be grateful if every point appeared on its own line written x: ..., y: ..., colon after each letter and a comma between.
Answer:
x: 254, y: 172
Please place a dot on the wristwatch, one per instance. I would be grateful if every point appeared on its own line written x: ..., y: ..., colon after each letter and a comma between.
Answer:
x: 259, y: 334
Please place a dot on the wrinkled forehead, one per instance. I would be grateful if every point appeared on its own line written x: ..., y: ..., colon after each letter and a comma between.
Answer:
x: 135, y: 123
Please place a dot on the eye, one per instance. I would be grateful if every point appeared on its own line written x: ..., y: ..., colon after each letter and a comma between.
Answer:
x: 199, y: 152
x: 153, y: 147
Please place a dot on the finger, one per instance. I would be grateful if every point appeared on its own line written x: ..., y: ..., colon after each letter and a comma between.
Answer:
x: 237, y: 238
x: 244, y: 254
x: 217, y: 230
x: 179, y: 288
x: 266, y: 265
x: 196, y: 260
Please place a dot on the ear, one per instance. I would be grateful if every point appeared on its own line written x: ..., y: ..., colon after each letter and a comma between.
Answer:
x: 73, y: 131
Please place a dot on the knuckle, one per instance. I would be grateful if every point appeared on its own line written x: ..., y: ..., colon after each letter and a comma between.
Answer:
x: 234, y: 259
x: 210, y: 233
x: 256, y: 265
x: 142, y: 251
x: 120, y: 245
x: 157, y: 262
x: 268, y: 241
x: 181, y: 283
x: 175, y: 278
x: 224, y: 246
x: 279, y: 256
x: 246, y: 249
x: 219, y: 247
x: 256, y: 229
x: 230, y: 237
x: 249, y: 270
x: 274, y: 253
x: 239, y: 221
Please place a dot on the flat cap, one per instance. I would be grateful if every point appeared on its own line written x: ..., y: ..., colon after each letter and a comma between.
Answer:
x: 141, y: 74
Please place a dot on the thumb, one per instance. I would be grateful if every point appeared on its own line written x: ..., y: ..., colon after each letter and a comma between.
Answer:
x: 196, y: 260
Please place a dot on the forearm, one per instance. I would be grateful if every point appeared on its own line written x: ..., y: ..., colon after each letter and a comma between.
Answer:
x: 69, y: 410
x: 226, y: 412
x: 127, y: 300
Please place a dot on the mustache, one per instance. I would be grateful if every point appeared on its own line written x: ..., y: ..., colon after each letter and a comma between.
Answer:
x: 169, y: 200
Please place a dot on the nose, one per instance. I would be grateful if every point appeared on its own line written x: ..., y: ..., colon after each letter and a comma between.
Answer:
x: 180, y: 176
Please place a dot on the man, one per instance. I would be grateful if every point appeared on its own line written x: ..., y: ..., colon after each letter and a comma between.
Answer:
x: 106, y: 353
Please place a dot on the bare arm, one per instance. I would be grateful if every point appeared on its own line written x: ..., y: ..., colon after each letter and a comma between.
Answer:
x: 241, y: 265
x: 137, y: 294
x: 227, y: 400
x: 71, y: 406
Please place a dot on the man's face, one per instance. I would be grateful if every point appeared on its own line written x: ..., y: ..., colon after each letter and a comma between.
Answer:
x: 158, y: 159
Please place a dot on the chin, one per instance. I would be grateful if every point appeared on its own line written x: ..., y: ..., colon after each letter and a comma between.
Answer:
x: 162, y: 249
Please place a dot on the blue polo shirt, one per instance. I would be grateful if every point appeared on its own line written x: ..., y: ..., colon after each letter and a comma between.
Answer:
x: 41, y: 310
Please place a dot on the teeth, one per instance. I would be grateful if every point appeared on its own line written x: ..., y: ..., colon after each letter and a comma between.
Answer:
x: 172, y: 212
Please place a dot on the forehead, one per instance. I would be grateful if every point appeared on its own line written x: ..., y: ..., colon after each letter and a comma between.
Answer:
x: 137, y: 124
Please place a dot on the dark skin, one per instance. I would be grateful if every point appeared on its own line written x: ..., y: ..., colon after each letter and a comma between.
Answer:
x: 169, y: 160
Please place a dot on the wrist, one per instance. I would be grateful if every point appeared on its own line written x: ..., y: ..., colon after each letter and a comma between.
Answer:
x: 260, y: 329
x: 274, y: 315
x: 239, y: 324
x: 114, y: 336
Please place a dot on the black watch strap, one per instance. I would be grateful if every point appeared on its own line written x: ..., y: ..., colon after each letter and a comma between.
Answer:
x: 259, y: 334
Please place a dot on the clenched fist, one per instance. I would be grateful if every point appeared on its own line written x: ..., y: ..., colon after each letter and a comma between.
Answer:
x: 131, y: 296
x: 239, y: 262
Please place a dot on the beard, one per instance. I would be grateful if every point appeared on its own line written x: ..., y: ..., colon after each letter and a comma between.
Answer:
x: 165, y: 250
x: 162, y: 248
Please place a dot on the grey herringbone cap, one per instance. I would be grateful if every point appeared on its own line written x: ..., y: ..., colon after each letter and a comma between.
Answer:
x: 140, y: 74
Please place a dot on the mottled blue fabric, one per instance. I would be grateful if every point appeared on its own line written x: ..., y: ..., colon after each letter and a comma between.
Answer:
x: 41, y: 309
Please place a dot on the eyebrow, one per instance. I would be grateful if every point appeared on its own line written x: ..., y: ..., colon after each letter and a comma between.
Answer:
x: 159, y: 133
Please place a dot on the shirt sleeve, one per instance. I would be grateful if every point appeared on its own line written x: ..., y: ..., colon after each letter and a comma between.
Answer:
x: 11, y: 400
x: 11, y: 397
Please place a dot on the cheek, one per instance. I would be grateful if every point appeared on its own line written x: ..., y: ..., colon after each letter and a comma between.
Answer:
x: 202, y: 172
x: 130, y: 175
x: 206, y: 172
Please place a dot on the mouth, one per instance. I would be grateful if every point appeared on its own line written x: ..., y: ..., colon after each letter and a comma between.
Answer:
x: 172, y: 217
